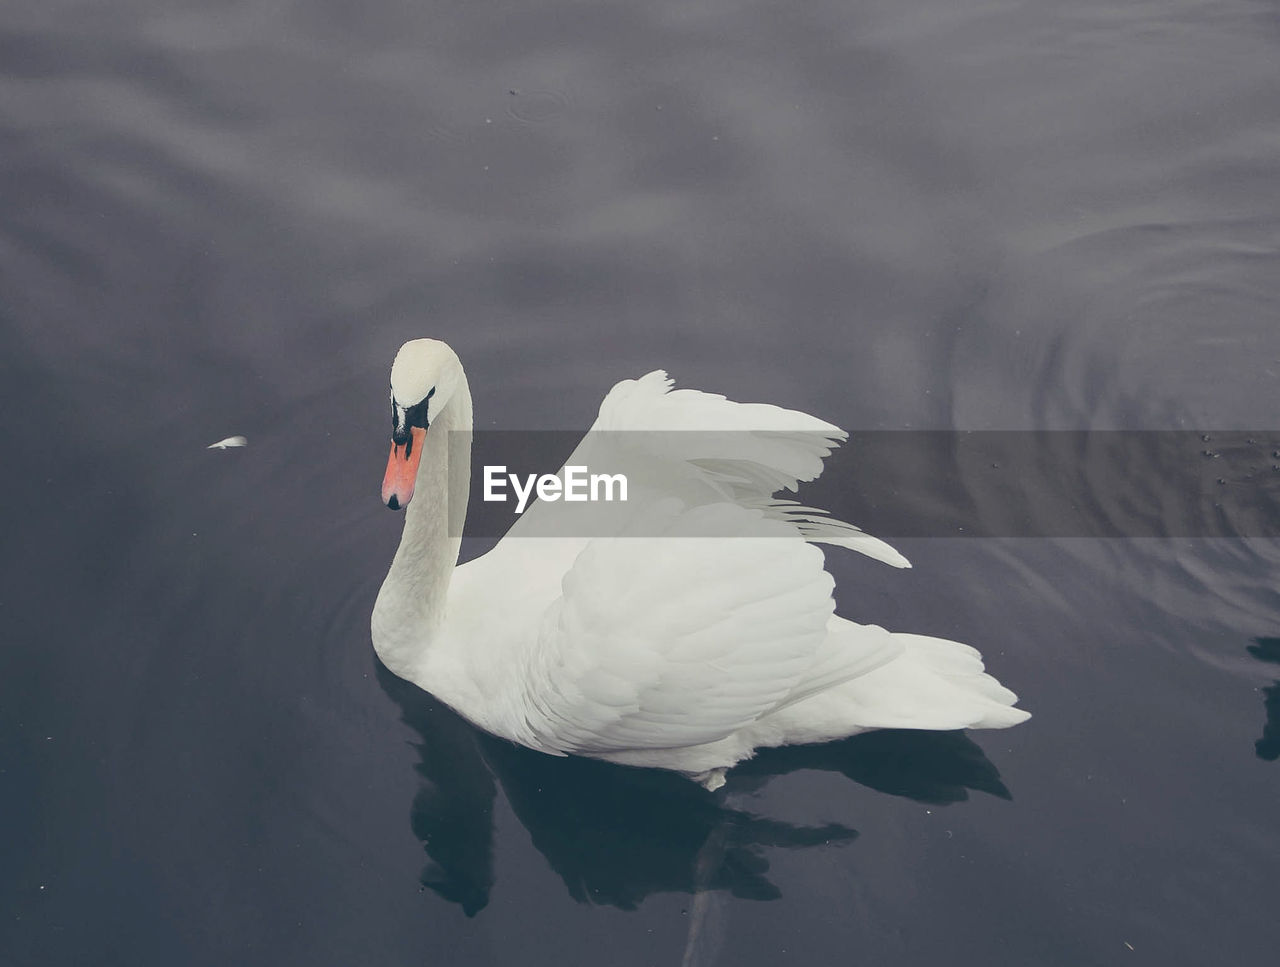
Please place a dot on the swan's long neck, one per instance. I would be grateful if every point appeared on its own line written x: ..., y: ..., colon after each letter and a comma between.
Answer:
x: 410, y: 610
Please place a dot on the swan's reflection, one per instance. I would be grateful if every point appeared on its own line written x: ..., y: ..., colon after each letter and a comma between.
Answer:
x: 929, y: 767
x: 616, y: 835
x: 452, y: 813
x: 1268, y: 747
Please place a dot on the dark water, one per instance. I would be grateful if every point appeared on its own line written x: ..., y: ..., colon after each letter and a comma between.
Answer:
x: 224, y: 217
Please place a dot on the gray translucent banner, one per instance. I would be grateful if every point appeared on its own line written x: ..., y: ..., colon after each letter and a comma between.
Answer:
x: 892, y: 484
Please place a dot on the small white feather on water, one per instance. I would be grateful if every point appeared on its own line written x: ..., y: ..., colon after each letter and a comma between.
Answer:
x: 231, y: 441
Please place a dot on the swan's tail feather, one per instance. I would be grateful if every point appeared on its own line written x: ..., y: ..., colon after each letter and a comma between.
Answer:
x: 962, y: 665
x: 930, y: 683
x: 938, y: 684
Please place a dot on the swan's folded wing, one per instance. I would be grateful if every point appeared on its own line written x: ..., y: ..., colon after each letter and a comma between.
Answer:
x: 849, y: 651
x: 671, y: 641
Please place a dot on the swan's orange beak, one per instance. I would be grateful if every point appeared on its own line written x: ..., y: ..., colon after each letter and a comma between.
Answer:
x: 402, y: 469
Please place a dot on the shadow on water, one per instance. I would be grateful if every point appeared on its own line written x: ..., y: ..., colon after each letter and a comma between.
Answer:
x: 452, y: 813
x: 615, y: 835
x: 929, y: 767
x: 1268, y: 747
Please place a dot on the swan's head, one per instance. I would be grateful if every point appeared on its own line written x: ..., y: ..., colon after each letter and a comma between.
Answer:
x: 423, y: 378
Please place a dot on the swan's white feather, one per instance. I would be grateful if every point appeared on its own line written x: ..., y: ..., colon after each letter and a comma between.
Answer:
x: 231, y: 441
x: 673, y: 640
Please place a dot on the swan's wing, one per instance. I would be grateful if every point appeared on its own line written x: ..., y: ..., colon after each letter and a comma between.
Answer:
x: 701, y: 446
x: 669, y: 641
x: 752, y: 448
x: 847, y: 652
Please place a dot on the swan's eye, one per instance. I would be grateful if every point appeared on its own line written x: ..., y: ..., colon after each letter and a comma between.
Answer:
x: 403, y: 418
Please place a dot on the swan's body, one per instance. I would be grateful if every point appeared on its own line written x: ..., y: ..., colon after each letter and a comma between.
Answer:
x: 703, y: 633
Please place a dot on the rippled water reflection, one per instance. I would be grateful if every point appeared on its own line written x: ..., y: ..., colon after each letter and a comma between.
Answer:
x: 222, y: 218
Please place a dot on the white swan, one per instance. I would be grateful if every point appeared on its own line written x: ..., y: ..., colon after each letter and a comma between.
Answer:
x: 705, y: 633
